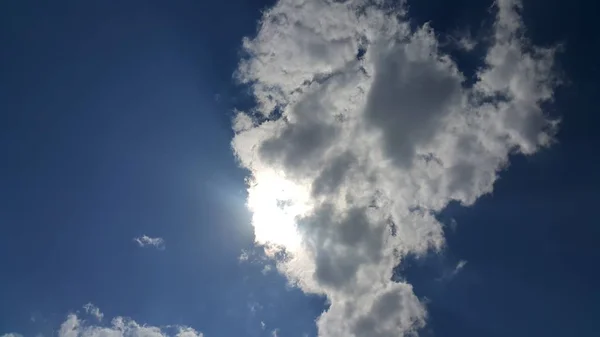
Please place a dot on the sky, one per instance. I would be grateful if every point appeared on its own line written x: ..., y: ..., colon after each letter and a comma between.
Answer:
x: 299, y: 168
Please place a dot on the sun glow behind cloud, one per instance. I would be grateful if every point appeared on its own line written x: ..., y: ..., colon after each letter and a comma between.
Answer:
x: 378, y: 128
x: 275, y: 203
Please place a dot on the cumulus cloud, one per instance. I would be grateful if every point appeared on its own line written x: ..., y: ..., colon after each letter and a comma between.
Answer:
x: 145, y: 241
x: 11, y: 334
x: 364, y: 130
x: 73, y: 326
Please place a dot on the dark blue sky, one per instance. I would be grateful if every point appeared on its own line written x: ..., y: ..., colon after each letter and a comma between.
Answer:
x: 115, y: 122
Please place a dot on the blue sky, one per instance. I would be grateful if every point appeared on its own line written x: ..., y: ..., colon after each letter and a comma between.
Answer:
x: 127, y: 120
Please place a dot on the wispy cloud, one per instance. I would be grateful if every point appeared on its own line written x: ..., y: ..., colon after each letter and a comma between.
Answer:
x: 366, y: 130
x: 93, y: 310
x: 145, y: 241
x: 459, y: 266
x: 452, y: 272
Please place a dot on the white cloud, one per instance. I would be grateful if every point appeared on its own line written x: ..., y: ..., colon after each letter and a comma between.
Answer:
x: 144, y: 241
x: 94, y: 311
x: 368, y: 148
x: 451, y: 273
x: 11, y: 334
x: 73, y: 326
x: 459, y: 266
x: 266, y: 269
x: 244, y: 256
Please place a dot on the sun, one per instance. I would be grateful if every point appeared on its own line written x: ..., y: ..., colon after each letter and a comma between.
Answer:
x: 276, y: 203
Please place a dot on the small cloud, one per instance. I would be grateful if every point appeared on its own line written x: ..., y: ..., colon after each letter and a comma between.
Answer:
x: 36, y: 317
x: 188, y: 332
x: 93, y: 310
x: 244, y: 256
x: 254, y: 307
x: 266, y: 269
x: 145, y: 240
x: 262, y: 325
x: 461, y: 264
x: 11, y: 334
x: 275, y: 333
x: 464, y: 41
x: 453, y: 225
x: 253, y: 256
x: 449, y: 275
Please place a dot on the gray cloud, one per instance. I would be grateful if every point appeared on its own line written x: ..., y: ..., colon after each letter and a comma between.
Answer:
x: 395, y: 104
x: 390, y: 137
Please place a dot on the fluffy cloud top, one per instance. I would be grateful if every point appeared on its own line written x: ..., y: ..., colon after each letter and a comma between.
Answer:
x: 11, y: 334
x: 74, y: 326
x: 145, y: 241
x: 364, y: 130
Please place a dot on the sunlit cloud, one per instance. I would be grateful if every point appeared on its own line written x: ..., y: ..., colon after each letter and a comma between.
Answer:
x: 364, y: 129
